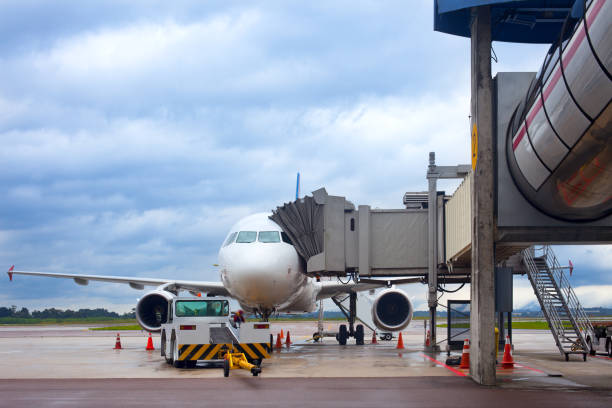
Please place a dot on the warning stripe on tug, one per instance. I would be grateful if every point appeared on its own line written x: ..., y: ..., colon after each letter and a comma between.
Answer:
x: 217, y: 351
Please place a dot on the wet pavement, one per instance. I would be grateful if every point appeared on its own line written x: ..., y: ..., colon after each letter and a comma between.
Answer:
x: 435, y: 392
x: 76, y: 353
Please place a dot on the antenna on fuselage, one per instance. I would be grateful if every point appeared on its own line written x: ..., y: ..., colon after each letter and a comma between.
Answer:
x: 297, y: 187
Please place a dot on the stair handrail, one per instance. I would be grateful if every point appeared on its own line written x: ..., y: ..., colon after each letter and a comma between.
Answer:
x: 581, y: 318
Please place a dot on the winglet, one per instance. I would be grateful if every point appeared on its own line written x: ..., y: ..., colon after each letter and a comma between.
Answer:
x: 571, y: 266
x: 10, y: 273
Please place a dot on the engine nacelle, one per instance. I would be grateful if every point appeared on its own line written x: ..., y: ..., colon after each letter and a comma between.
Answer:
x: 152, y: 310
x: 391, y: 310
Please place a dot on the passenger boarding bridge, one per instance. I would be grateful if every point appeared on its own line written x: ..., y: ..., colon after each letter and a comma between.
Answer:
x: 540, y: 174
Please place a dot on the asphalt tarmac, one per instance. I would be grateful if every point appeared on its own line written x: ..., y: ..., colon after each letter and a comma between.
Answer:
x: 73, y: 366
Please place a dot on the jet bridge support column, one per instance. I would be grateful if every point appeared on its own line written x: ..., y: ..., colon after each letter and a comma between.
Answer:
x: 482, y: 316
x: 433, y: 174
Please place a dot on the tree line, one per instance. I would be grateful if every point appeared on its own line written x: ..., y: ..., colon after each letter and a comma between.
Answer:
x: 54, y: 313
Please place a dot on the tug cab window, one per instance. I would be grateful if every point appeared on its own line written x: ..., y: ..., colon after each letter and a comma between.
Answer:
x: 205, y: 308
x: 246, y: 237
x: 269, y: 236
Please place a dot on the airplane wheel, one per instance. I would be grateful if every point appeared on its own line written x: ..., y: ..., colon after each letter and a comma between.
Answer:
x: 316, y: 337
x: 359, y: 335
x: 226, y: 368
x: 342, y: 335
x: 388, y: 337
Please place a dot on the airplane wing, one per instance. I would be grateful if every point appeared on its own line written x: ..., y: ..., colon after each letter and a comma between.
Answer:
x: 215, y: 288
x: 332, y: 288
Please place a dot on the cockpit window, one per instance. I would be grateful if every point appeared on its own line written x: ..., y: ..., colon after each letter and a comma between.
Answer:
x: 230, y: 239
x: 285, y: 238
x: 246, y: 237
x: 269, y: 236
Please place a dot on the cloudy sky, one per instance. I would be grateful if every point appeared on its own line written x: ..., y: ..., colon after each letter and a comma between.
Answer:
x: 134, y: 133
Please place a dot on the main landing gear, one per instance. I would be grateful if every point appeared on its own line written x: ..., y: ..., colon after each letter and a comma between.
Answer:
x: 344, y: 332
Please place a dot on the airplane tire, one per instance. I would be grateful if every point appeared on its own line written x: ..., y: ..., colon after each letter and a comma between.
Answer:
x: 359, y: 336
x: 342, y: 335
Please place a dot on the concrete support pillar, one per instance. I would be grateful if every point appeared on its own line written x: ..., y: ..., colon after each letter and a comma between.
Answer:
x: 432, y: 262
x: 482, y: 358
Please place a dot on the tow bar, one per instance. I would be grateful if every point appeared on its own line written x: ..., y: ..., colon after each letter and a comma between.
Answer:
x: 233, y: 361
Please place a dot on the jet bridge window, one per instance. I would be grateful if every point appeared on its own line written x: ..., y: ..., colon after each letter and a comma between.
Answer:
x: 246, y: 237
x: 269, y: 236
x: 205, y: 308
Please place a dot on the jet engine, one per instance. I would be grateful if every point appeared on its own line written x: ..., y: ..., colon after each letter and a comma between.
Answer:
x: 391, y: 310
x: 152, y: 310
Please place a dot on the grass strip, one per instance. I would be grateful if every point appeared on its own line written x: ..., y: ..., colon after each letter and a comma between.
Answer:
x: 529, y: 325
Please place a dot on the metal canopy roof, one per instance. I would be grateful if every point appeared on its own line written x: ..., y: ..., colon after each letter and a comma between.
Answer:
x: 527, y: 21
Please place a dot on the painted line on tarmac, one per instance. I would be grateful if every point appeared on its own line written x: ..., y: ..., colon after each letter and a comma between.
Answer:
x: 456, y: 372
x: 602, y: 357
x: 529, y: 368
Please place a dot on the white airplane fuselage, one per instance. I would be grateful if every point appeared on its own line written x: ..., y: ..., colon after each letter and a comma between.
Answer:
x: 262, y: 270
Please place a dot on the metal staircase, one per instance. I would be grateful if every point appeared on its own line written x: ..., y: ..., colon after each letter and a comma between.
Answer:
x: 569, y: 324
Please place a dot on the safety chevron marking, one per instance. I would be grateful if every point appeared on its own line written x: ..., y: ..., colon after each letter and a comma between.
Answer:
x: 252, y: 351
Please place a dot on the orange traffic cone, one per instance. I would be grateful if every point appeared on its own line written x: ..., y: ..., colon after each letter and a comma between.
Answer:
x: 278, y: 345
x: 465, y: 357
x: 374, y: 337
x: 150, y: 343
x: 400, y: 342
x: 288, y: 341
x: 508, y: 361
x: 282, y: 335
x: 427, y: 340
x: 118, y: 343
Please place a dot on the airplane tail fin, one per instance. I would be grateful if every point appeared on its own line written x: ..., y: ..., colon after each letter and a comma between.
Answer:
x: 297, y: 187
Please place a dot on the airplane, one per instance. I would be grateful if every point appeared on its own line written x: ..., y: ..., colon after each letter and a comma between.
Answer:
x: 260, y: 268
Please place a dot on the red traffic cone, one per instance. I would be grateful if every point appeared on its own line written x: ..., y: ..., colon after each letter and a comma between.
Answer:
x: 400, y: 342
x: 288, y: 341
x: 427, y: 340
x: 117, y: 343
x: 282, y: 335
x: 278, y: 345
x: 150, y: 343
x: 465, y: 357
x: 374, y: 337
x: 508, y: 361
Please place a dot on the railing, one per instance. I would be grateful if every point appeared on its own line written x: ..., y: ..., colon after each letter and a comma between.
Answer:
x: 574, y: 327
x: 573, y: 304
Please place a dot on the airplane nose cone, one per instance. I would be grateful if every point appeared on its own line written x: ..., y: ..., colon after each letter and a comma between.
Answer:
x: 259, y: 275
